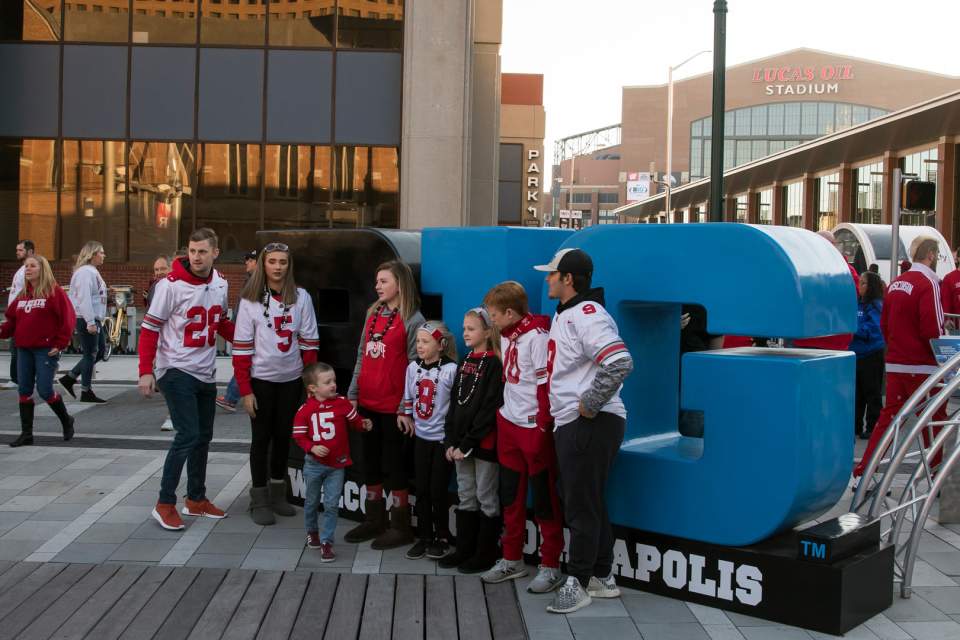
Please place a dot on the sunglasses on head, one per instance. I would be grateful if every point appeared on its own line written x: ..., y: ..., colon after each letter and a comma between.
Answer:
x: 276, y: 246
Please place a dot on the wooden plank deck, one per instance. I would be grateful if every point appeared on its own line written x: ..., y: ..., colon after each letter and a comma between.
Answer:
x: 46, y: 601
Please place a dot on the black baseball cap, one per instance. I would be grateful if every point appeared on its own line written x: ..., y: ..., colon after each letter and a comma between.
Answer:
x: 250, y: 255
x: 572, y: 261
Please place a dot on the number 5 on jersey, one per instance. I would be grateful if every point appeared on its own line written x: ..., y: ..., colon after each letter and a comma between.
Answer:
x: 323, y: 425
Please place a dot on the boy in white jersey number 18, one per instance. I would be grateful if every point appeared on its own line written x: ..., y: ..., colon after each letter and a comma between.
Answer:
x: 586, y: 365
x: 178, y: 341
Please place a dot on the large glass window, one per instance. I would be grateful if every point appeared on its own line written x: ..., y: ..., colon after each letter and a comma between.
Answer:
x: 775, y: 127
x: 88, y: 22
x: 162, y: 184
x: 309, y: 28
x: 28, y: 194
x: 298, y: 186
x: 765, y: 206
x: 608, y: 198
x: 509, y: 208
x: 742, y: 208
x: 793, y: 204
x: 228, y: 196
x: 828, y: 201
x: 808, y: 119
x: 177, y: 26
x: 582, y: 197
x: 366, y: 185
x: 869, y: 200
x: 243, y: 24
x: 924, y: 165
x: 367, y: 25
x: 758, y: 126
x: 93, y: 202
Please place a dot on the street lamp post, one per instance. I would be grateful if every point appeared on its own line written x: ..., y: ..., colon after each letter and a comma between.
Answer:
x: 719, y: 100
x: 670, y: 71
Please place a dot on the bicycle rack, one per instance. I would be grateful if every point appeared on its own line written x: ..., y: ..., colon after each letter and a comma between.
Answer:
x: 903, y: 450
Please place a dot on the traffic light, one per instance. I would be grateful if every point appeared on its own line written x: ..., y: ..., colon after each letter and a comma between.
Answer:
x: 918, y: 195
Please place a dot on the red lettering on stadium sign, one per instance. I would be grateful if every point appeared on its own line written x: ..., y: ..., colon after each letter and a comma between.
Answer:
x: 803, y: 74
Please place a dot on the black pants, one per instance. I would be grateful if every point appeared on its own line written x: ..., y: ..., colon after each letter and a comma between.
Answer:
x: 386, y: 452
x: 869, y: 392
x: 433, y: 482
x: 585, y: 452
x: 277, y: 404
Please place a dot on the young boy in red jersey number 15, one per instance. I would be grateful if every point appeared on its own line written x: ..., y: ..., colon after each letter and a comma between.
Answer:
x: 320, y: 429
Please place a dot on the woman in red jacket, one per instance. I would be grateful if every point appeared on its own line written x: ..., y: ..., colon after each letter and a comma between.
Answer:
x: 40, y: 319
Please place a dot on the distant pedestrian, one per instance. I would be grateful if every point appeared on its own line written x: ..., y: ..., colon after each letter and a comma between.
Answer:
x: 25, y: 249
x: 88, y: 292
x: 41, y: 320
x: 868, y: 344
x: 228, y: 401
x: 161, y: 269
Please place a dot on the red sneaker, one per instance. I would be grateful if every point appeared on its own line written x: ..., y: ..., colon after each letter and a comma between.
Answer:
x: 313, y: 540
x: 203, y: 508
x: 326, y: 552
x: 167, y: 516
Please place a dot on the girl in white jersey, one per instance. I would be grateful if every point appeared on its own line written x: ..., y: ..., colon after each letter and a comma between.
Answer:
x: 426, y: 400
x: 275, y: 336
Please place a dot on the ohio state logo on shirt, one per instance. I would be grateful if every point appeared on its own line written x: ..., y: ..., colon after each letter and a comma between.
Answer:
x: 29, y: 305
x: 426, y: 392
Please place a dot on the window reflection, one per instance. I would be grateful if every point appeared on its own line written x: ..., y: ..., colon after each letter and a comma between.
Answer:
x: 308, y: 23
x: 228, y: 196
x: 828, y: 201
x: 31, y: 20
x: 28, y: 194
x: 365, y: 186
x: 370, y: 24
x: 162, y: 176
x: 297, y: 186
x: 793, y: 204
x: 742, y: 206
x: 869, y: 193
x: 174, y: 24
x: 227, y: 22
x: 765, y: 207
x: 93, y: 202
x: 97, y: 21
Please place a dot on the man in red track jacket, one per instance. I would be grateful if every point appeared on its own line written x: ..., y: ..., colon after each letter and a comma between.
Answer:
x: 912, y: 316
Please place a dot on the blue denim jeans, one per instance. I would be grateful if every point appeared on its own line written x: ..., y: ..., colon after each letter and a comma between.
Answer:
x: 317, y: 477
x: 192, y: 406
x: 93, y: 346
x: 35, y: 364
x: 232, y: 394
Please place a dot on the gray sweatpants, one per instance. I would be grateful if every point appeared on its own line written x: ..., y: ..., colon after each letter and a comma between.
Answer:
x: 478, y: 486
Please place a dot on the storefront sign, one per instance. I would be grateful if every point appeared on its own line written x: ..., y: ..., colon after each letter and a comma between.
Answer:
x: 805, y: 80
x: 533, y: 182
x: 638, y: 186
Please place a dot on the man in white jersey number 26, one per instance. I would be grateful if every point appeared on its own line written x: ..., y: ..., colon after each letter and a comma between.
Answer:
x: 586, y: 365
x: 178, y: 341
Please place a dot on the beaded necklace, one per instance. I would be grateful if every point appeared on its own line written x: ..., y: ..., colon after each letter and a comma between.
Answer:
x: 422, y: 411
x: 377, y: 337
x: 476, y: 380
x: 266, y: 310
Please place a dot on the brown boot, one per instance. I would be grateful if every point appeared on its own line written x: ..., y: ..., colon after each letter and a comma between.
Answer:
x: 373, y: 524
x: 399, y: 534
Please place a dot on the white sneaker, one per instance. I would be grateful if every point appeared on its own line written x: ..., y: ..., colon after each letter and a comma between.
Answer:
x: 9, y: 384
x: 167, y: 425
x: 504, y: 570
x: 547, y: 580
x: 571, y: 597
x: 603, y: 587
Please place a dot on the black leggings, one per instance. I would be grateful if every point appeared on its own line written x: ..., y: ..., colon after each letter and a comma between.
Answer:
x: 433, y: 484
x: 277, y: 404
x: 387, y: 452
x: 869, y: 396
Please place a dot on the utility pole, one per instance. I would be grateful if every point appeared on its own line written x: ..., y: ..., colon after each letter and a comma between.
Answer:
x: 719, y: 102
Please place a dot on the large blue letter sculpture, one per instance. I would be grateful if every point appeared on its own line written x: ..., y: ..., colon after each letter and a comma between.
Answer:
x: 777, y: 444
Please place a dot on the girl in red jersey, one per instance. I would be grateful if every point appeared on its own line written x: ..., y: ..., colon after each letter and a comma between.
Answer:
x: 387, y: 346
x: 40, y: 319
x: 275, y: 336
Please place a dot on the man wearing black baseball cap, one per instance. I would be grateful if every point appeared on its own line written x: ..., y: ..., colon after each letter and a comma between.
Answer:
x: 587, y: 364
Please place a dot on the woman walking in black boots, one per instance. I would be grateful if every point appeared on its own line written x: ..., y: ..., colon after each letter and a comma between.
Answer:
x: 40, y: 319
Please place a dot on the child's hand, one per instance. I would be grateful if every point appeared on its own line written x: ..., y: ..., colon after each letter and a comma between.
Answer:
x: 367, y: 424
x: 319, y: 451
x: 448, y: 454
x: 458, y: 455
x: 405, y: 424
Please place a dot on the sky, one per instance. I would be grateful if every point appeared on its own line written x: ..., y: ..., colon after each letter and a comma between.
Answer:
x: 587, y: 50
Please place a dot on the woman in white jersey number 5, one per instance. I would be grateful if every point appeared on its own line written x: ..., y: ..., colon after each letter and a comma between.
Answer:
x: 276, y: 334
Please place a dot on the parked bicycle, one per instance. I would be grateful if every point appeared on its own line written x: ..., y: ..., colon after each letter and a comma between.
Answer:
x: 113, y: 325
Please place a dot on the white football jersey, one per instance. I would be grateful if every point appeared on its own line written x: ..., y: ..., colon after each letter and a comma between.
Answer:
x: 187, y: 315
x: 426, y: 396
x: 275, y: 336
x: 581, y: 339
x: 19, y: 280
x: 524, y: 369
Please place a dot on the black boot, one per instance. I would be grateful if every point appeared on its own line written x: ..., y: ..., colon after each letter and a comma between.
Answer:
x: 67, y: 381
x: 466, y: 539
x: 488, y: 537
x: 66, y: 420
x: 399, y: 534
x: 278, y: 499
x: 26, y: 425
x: 373, y: 524
x: 87, y: 395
